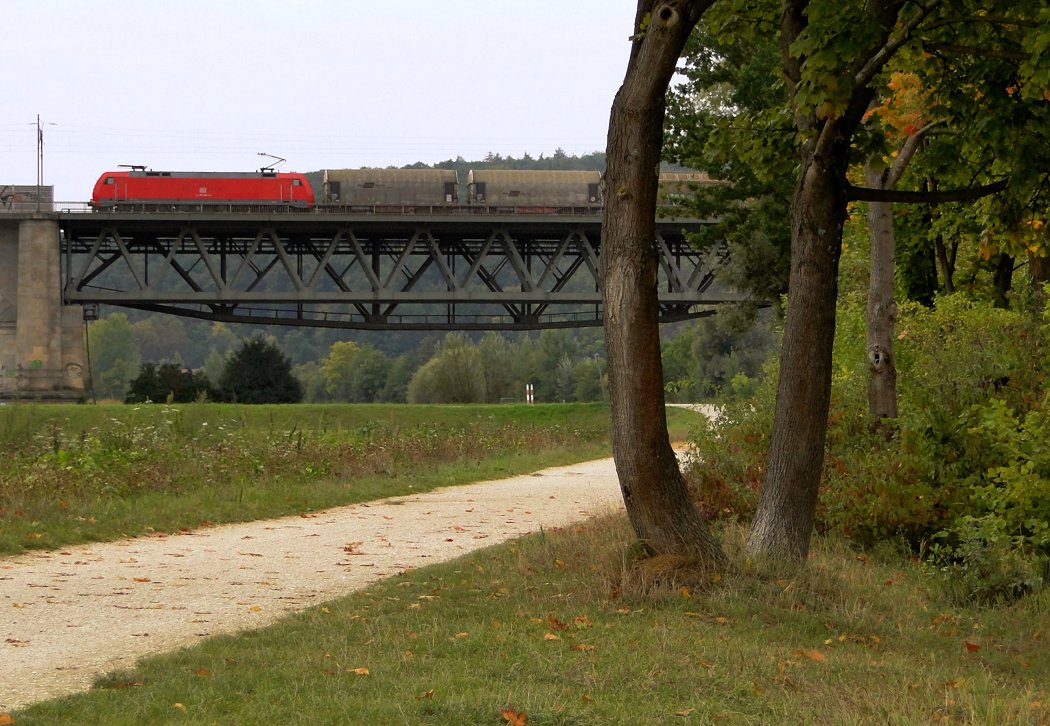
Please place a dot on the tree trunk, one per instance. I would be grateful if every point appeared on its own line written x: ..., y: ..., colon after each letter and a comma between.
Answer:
x: 882, y: 310
x: 946, y: 263
x: 1039, y: 272
x: 1003, y: 280
x: 783, y: 521
x: 655, y: 493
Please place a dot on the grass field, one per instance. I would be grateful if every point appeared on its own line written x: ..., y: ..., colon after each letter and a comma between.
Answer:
x: 86, y: 473
x: 560, y: 628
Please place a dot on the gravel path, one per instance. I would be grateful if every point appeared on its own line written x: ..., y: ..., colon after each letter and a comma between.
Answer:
x: 70, y: 615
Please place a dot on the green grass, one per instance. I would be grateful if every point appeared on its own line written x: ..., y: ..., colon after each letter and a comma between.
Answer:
x: 563, y: 627
x: 73, y: 474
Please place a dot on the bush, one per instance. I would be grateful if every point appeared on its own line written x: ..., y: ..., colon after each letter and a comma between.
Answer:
x: 964, y: 478
x: 167, y: 383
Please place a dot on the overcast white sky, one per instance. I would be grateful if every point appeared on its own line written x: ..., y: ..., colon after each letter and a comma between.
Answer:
x: 205, y: 85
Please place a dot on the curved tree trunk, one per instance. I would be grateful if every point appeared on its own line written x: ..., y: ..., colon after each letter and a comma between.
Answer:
x: 656, y: 496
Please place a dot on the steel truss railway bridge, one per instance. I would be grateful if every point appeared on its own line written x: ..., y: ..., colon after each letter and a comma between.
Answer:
x: 389, y: 270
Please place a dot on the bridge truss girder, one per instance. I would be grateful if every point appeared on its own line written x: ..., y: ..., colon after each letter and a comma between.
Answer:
x: 392, y: 273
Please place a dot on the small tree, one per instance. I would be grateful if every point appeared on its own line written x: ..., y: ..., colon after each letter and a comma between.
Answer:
x: 260, y: 373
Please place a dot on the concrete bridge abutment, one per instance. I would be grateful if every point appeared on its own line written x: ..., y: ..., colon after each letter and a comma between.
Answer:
x: 42, y: 348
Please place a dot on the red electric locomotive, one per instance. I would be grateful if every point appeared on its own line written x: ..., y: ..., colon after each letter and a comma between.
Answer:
x: 141, y: 187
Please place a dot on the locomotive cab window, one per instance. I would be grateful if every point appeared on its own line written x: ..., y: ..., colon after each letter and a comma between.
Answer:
x: 110, y: 180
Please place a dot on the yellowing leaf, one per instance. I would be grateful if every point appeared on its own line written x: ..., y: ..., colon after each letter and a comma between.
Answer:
x: 429, y: 693
x: 582, y: 647
x: 358, y: 671
x: 684, y: 712
x: 551, y: 636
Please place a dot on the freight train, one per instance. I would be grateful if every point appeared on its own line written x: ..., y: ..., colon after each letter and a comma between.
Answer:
x: 394, y: 191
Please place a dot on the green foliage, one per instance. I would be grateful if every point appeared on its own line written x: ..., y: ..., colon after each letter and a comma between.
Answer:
x: 354, y: 373
x: 730, y: 119
x: 168, y: 382
x: 705, y: 357
x: 260, y: 373
x: 454, y: 375
x: 114, y: 356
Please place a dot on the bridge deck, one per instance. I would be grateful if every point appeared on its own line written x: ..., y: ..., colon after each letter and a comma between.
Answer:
x: 459, y: 270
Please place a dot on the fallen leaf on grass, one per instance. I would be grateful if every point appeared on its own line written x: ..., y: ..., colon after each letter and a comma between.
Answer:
x: 6, y: 719
x: 429, y: 693
x: 551, y: 636
x: 971, y: 647
x: 555, y: 623
x: 582, y: 647
x: 358, y: 671
x: 514, y: 718
x: 814, y: 655
x: 684, y: 712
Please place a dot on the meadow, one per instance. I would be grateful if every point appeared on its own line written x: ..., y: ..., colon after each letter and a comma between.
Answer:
x: 73, y: 474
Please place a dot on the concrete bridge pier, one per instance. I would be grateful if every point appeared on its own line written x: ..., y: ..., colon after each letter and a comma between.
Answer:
x: 42, y: 347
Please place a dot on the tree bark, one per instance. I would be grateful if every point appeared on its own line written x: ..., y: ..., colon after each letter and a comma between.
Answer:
x: 882, y: 309
x: 783, y: 521
x: 655, y: 493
